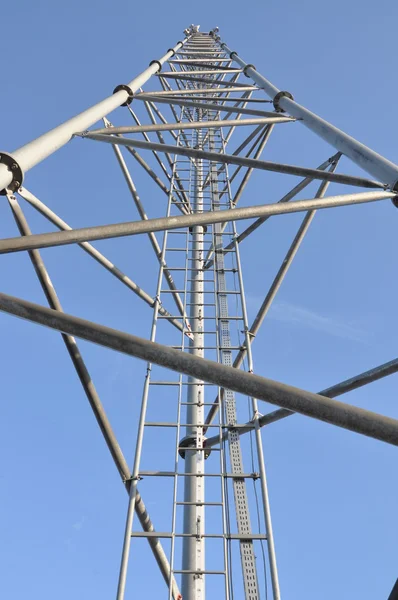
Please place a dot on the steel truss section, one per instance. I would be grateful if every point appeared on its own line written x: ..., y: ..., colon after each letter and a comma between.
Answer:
x: 200, y: 107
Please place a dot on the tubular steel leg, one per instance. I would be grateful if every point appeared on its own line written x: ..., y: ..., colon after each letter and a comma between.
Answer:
x: 364, y: 157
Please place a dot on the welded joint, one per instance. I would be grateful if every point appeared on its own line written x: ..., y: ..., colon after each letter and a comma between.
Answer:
x: 127, y: 89
x: 17, y: 174
x: 333, y: 160
x: 277, y: 99
x: 156, y: 62
x: 249, y: 333
x: 250, y: 66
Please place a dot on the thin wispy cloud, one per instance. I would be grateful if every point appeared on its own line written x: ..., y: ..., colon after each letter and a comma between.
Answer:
x: 79, y: 524
x: 325, y: 323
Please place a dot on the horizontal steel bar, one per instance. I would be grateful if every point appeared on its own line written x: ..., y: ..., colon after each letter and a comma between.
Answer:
x: 348, y: 385
x: 198, y: 572
x: 207, y: 105
x: 100, y: 232
x: 215, y: 98
x: 193, y: 61
x: 189, y: 125
x: 246, y: 88
x: 297, y: 400
x: 228, y: 536
x: 204, y: 72
x: 208, y: 80
x: 205, y: 65
x: 263, y: 165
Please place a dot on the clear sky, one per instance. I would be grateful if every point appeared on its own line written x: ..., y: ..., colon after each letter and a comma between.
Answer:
x: 333, y: 493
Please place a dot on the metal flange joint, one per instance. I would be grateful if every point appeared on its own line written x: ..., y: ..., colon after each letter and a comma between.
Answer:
x: 277, y: 99
x: 127, y: 89
x: 17, y: 174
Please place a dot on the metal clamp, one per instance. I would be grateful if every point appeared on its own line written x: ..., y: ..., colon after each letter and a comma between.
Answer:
x: 171, y: 50
x: 248, y: 67
x: 190, y: 442
x: 232, y: 53
x: 277, y: 98
x: 204, y: 227
x: 156, y: 62
x: 17, y: 174
x: 127, y: 89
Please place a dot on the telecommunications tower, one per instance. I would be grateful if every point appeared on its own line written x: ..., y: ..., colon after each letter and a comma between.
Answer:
x: 199, y: 137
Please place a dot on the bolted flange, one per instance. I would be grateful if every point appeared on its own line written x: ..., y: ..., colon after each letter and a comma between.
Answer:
x: 248, y: 67
x: 395, y: 200
x: 277, y: 98
x: 156, y: 62
x: 17, y: 174
x: 127, y: 89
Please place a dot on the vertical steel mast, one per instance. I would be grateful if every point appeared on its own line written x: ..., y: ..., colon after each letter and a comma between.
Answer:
x: 199, y: 359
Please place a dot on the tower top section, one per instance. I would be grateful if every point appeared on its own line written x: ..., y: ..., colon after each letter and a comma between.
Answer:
x: 192, y: 29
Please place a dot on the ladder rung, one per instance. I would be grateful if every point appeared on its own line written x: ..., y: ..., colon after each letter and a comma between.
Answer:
x: 174, y: 474
x: 198, y: 449
x: 166, y: 424
x: 222, y: 348
x: 199, y: 503
x: 187, y: 572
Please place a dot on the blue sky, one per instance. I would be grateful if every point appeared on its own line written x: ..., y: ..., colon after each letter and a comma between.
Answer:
x: 333, y: 493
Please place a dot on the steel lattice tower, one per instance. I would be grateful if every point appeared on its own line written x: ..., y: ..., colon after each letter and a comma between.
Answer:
x: 199, y: 301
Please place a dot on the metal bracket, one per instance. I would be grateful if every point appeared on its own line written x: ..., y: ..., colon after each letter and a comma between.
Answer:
x: 248, y: 67
x: 277, y: 98
x: 17, y: 174
x: 156, y: 62
x: 127, y: 89
x: 190, y: 442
